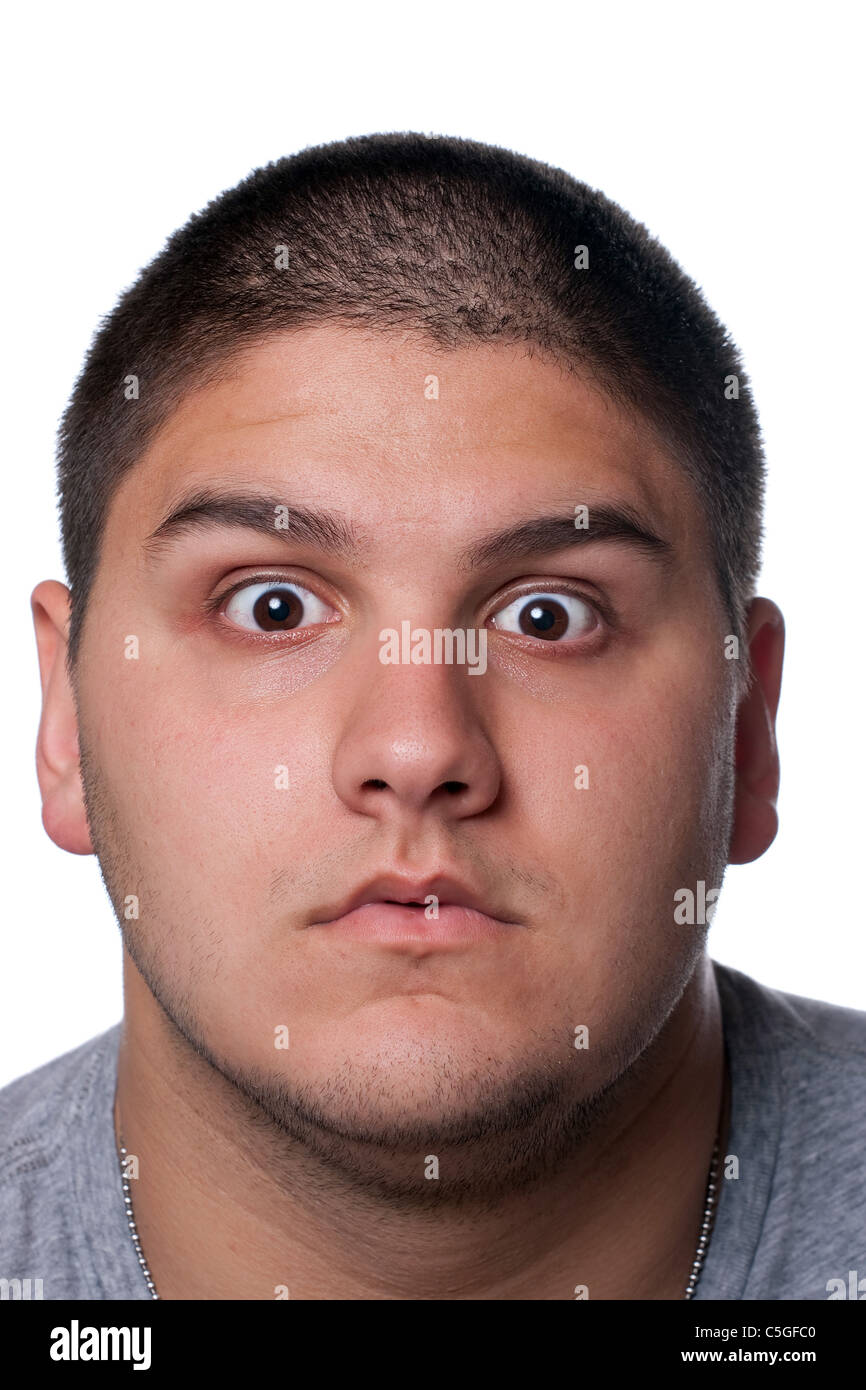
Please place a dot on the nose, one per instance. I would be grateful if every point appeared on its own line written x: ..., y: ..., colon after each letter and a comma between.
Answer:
x: 414, y: 741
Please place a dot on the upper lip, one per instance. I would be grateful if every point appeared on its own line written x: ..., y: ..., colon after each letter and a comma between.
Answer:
x: 396, y: 889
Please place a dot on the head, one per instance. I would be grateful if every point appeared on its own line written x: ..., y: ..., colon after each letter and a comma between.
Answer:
x: 378, y: 383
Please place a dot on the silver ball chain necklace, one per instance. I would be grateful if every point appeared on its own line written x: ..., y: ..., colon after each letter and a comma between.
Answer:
x: 130, y: 1220
x: 710, y: 1202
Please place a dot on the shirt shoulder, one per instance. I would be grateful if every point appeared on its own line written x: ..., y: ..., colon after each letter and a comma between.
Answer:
x: 31, y: 1104
x: 829, y: 1026
x: 54, y: 1126
x: 798, y: 1076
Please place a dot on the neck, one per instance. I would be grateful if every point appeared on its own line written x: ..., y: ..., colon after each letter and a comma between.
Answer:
x: 226, y: 1208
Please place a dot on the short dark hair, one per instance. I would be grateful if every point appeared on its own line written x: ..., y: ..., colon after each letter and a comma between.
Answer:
x: 457, y: 241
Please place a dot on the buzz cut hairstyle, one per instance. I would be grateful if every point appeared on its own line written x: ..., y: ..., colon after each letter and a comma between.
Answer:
x: 452, y: 240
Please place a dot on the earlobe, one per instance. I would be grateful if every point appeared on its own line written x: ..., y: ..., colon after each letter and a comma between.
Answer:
x: 757, y: 759
x: 57, y: 754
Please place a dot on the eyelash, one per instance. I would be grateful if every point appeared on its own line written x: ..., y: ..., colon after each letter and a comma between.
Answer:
x: 597, y: 605
x: 215, y: 605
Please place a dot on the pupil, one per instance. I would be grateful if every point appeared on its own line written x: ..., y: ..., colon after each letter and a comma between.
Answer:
x: 541, y: 619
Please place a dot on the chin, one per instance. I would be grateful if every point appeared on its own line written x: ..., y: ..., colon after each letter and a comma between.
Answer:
x: 404, y: 1046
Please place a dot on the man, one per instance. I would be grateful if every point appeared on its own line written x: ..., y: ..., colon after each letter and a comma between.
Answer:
x: 412, y: 690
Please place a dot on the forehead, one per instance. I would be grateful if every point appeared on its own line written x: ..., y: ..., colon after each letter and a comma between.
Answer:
x: 386, y: 425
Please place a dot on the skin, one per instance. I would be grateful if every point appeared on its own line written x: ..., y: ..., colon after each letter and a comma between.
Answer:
x: 304, y: 1167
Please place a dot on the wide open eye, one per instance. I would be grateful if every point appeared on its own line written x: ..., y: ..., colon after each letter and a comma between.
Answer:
x: 276, y: 606
x: 547, y: 616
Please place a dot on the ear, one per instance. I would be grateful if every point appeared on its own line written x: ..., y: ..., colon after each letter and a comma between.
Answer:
x: 757, y: 759
x: 57, y: 759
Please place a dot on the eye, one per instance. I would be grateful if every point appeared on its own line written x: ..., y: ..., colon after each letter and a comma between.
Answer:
x: 277, y: 606
x: 548, y: 616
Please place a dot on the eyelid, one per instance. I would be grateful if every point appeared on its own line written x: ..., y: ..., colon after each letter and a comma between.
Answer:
x: 213, y: 604
x: 526, y: 588
x: 217, y: 606
x: 523, y: 588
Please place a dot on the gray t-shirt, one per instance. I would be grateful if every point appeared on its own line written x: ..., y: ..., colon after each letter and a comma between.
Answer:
x: 792, y: 1224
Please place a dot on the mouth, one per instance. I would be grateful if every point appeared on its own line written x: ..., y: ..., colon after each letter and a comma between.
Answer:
x: 436, y: 912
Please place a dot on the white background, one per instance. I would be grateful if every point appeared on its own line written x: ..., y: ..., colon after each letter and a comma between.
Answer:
x: 733, y: 131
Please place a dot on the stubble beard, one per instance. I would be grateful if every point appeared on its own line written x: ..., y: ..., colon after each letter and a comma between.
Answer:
x: 520, y: 1128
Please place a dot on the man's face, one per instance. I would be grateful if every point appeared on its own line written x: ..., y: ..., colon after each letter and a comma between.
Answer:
x: 246, y: 780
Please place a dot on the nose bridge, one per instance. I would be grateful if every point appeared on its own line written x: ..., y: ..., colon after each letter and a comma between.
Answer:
x: 428, y: 704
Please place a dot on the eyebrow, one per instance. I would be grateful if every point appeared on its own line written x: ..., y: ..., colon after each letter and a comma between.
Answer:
x: 609, y: 521
x: 208, y: 509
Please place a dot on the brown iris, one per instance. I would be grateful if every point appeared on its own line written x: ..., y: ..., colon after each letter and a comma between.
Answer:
x: 543, y: 618
x: 278, y: 609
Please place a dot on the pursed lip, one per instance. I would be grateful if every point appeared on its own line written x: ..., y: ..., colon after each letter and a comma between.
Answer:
x: 439, y: 908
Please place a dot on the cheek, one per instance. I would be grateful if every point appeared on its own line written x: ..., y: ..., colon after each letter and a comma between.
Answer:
x: 212, y: 802
x: 610, y: 759
x: 622, y: 798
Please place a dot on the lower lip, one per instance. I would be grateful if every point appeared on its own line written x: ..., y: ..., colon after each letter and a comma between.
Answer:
x: 394, y: 922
